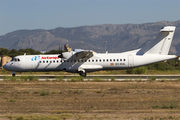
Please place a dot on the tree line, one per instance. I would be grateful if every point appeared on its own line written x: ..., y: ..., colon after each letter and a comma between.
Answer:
x: 173, y: 64
x: 29, y: 51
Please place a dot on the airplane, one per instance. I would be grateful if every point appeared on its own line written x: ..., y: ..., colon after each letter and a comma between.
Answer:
x: 84, y: 61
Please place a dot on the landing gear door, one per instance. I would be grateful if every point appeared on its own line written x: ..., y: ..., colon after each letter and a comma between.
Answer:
x: 130, y: 61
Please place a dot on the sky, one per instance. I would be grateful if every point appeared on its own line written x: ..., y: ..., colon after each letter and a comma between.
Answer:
x: 50, y: 14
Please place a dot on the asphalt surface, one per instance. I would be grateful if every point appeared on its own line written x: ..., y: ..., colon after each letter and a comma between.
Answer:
x: 103, y: 77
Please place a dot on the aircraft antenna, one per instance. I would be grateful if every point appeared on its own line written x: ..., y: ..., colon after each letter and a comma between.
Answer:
x: 105, y: 45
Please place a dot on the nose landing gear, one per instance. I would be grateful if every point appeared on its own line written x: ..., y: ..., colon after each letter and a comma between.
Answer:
x: 13, y: 74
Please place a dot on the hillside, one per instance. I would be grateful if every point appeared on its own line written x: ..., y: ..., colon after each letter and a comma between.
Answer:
x: 121, y: 37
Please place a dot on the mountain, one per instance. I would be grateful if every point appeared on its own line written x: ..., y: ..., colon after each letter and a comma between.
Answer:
x: 120, y: 37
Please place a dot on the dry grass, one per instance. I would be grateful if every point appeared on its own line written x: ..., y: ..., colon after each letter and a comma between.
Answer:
x: 89, y: 100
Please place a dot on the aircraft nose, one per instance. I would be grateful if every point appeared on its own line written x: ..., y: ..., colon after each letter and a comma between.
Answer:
x: 5, y: 67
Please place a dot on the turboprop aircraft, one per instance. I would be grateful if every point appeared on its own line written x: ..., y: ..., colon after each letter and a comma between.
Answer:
x: 84, y: 61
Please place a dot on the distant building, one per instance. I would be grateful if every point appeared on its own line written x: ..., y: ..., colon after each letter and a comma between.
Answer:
x: 4, y: 59
x: 43, y: 52
x: 178, y: 58
x: 67, y: 48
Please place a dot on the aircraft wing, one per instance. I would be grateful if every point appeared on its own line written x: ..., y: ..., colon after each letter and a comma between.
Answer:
x: 84, y: 54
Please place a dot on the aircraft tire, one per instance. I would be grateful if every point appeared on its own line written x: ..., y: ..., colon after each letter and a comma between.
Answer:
x: 83, y: 74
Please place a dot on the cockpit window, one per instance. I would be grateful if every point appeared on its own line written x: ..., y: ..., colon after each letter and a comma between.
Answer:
x: 12, y: 59
x: 15, y: 59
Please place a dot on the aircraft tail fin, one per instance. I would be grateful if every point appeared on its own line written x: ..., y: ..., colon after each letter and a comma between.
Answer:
x: 161, y: 44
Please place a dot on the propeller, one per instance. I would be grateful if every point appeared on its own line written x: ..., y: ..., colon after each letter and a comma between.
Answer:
x: 59, y: 49
x: 60, y: 52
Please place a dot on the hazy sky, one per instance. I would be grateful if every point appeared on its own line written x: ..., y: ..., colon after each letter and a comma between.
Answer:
x: 50, y: 14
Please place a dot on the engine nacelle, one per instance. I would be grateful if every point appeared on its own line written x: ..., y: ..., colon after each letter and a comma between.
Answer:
x: 67, y: 55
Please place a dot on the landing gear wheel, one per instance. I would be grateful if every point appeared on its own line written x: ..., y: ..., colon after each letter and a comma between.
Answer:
x: 13, y: 74
x: 83, y: 74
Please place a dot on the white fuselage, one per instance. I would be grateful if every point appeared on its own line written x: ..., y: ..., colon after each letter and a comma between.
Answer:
x: 101, y: 61
x: 83, y: 61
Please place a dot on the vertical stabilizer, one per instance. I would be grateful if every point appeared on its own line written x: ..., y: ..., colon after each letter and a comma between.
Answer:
x: 161, y: 44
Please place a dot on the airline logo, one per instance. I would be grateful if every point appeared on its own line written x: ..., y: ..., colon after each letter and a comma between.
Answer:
x: 50, y: 57
x: 35, y: 58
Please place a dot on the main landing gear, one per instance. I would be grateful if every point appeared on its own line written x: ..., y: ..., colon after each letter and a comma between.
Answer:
x: 83, y: 74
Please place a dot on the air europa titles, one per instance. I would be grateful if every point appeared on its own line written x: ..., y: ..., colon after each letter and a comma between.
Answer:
x: 49, y: 57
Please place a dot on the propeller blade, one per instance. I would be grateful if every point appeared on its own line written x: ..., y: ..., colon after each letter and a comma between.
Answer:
x: 60, y: 52
x: 59, y: 49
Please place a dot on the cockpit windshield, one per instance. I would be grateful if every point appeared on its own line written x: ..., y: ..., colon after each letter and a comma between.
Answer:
x: 15, y: 59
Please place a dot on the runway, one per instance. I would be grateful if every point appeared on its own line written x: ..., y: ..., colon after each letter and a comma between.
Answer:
x: 120, y: 77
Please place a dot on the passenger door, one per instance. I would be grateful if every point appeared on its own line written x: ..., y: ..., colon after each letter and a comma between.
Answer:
x: 130, y: 60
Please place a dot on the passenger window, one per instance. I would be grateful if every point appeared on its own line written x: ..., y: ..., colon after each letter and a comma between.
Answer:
x: 43, y: 61
x: 81, y: 60
x: 114, y: 60
x: 100, y: 60
x: 39, y: 61
x: 124, y: 59
x: 57, y: 61
x: 120, y: 59
x: 50, y: 61
x: 46, y: 61
x: 103, y: 60
x: 92, y: 60
x: 74, y: 60
x: 110, y: 59
x: 18, y: 59
x: 85, y: 60
x: 53, y: 61
x: 89, y: 60
x: 117, y: 59
x: 107, y: 60
x: 96, y: 60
